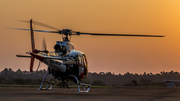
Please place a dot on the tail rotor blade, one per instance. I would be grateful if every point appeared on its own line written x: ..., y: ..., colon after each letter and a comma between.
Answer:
x: 32, y: 45
x: 44, y: 47
x: 32, y: 36
x: 44, y: 44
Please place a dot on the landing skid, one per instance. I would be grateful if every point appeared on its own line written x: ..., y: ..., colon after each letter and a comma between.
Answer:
x: 82, y: 84
x: 62, y: 84
x: 48, y: 82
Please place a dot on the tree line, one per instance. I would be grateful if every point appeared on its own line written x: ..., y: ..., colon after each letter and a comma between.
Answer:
x: 9, y: 76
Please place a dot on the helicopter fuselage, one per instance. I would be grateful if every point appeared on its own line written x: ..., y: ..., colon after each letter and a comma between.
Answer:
x: 73, y: 63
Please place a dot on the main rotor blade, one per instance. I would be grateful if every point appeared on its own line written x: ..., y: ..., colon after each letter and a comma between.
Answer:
x: 37, y: 30
x: 78, y: 33
x: 40, y: 24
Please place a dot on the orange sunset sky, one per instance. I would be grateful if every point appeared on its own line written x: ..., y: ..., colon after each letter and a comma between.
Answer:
x: 114, y: 54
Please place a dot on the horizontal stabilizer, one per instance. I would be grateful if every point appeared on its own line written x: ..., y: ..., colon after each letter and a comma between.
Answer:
x: 24, y: 56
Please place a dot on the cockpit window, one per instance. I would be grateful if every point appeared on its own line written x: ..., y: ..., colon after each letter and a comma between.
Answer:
x: 58, y: 48
x: 85, y: 61
x: 82, y: 60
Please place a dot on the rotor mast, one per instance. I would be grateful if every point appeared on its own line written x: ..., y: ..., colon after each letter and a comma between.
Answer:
x: 66, y: 32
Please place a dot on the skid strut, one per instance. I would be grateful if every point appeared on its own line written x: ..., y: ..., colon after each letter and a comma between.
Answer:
x: 82, y: 84
x: 48, y: 82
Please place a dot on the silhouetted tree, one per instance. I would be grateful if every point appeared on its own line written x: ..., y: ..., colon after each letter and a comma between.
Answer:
x: 134, y: 82
x: 98, y: 83
x: 8, y: 76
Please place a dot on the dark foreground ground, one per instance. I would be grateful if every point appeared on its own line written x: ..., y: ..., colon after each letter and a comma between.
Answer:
x: 95, y: 94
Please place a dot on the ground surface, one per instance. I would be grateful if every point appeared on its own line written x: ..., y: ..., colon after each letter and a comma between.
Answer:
x: 95, y: 94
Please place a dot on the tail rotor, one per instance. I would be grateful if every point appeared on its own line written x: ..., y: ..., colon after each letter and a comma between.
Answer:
x: 44, y: 47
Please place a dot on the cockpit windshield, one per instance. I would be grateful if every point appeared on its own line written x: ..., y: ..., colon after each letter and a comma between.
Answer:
x: 82, y: 60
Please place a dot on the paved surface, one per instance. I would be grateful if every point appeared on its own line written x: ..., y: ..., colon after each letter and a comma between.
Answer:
x: 95, y: 94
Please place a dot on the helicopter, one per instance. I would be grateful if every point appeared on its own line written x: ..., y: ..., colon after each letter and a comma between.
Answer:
x: 65, y: 63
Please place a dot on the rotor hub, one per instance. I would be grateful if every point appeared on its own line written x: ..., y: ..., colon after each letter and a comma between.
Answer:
x: 66, y: 31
